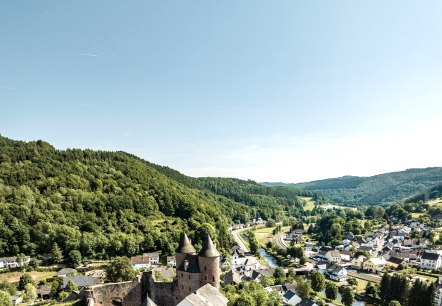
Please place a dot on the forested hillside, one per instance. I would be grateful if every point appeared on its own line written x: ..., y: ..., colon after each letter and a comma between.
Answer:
x: 113, y: 203
x: 432, y: 193
x: 379, y: 189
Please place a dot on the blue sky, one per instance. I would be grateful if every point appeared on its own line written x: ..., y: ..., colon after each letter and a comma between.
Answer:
x: 268, y: 90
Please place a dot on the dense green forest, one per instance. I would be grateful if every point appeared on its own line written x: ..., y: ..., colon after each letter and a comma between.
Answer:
x: 379, y: 189
x: 432, y: 193
x: 107, y: 204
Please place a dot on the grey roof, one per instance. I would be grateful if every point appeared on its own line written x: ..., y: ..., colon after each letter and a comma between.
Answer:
x: 430, y: 256
x: 193, y: 265
x: 66, y: 271
x: 207, y: 295
x: 289, y: 294
x: 185, y: 246
x: 80, y: 281
x: 209, y: 248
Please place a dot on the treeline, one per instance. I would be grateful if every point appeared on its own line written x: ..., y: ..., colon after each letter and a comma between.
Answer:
x: 398, y: 287
x: 107, y: 204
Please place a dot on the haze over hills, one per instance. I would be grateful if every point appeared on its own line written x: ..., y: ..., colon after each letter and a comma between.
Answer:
x: 378, y: 189
x: 113, y: 203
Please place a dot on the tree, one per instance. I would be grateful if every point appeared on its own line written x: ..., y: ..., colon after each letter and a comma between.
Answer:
x: 279, y: 275
x: 352, y: 281
x: 120, y: 270
x: 33, y: 264
x: 71, y: 286
x: 318, y: 281
x: 245, y: 300
x: 31, y: 291
x: 75, y: 258
x: 371, y: 290
x: 385, y: 293
x: 303, y: 289
x: 56, y: 254
x: 8, y: 287
x: 290, y: 274
x: 331, y: 291
x: 394, y: 303
x: 347, y: 296
x: 5, y: 298
x: 21, y: 259
x: 24, y: 280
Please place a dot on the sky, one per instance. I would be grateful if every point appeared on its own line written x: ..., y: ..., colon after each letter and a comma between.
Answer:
x: 281, y: 90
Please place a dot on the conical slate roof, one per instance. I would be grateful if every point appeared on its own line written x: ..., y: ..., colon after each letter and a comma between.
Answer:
x: 185, y: 246
x: 209, y: 249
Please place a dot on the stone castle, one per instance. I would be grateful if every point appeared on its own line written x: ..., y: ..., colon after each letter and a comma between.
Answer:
x: 193, y: 271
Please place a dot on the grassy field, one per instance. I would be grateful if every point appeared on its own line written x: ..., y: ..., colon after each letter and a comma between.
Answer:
x: 435, y: 201
x: 309, y: 203
x: 14, y: 277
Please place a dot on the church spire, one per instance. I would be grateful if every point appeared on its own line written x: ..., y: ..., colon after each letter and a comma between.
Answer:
x: 209, y: 249
x: 185, y: 246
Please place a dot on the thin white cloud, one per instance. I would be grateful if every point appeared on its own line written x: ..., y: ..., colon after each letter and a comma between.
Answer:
x: 8, y: 88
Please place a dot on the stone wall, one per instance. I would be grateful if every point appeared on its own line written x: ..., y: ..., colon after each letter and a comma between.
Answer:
x: 127, y: 293
x: 162, y: 293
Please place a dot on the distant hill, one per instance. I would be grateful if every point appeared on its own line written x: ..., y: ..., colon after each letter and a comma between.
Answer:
x: 114, y: 203
x: 378, y: 189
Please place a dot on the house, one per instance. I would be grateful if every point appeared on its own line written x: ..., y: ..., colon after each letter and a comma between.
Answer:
x: 394, y: 262
x: 66, y: 271
x: 349, y: 236
x: 291, y: 298
x: 406, y: 255
x: 245, y: 263
x: 431, y: 261
x: 206, y: 295
x: 154, y: 258
x: 332, y: 256
x: 356, y: 263
x: 12, y: 262
x: 337, y: 273
x: 171, y: 261
x: 232, y: 277
x: 345, y: 256
x: 80, y: 281
x: 141, y: 262
x: 374, y: 265
x: 322, y: 266
x: 44, y: 292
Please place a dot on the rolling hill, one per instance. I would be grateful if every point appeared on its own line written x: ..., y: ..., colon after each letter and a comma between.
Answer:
x: 378, y: 189
x: 113, y: 203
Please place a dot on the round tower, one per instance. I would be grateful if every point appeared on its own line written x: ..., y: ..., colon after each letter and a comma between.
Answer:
x: 209, y: 264
x: 183, y: 249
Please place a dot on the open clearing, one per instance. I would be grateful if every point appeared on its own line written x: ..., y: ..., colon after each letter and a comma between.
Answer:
x: 14, y: 277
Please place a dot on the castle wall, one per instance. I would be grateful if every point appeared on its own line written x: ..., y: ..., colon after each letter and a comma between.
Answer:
x: 186, y: 284
x: 129, y: 293
x: 161, y: 293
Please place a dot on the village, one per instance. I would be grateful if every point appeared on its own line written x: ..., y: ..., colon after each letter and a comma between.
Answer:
x: 358, y: 262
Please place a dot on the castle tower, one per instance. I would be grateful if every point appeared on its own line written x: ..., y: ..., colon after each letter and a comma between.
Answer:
x: 184, y: 249
x: 208, y: 260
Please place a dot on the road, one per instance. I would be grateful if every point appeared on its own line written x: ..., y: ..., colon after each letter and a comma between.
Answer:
x: 235, y: 235
x: 279, y: 240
